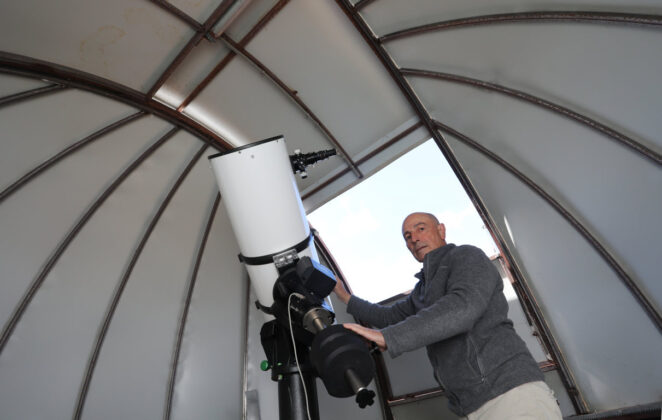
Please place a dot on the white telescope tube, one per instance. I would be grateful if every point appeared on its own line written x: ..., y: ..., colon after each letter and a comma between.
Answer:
x: 261, y: 197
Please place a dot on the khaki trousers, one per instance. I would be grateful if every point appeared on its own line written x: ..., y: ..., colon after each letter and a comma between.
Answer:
x: 531, y: 401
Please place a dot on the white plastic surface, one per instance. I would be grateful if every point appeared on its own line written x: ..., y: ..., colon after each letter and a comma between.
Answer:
x: 264, y: 207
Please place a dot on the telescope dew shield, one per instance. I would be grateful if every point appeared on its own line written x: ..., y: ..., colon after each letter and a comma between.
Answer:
x: 262, y: 200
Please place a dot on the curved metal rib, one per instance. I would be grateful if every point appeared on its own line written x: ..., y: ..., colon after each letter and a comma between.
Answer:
x: 566, y: 112
x: 362, y: 27
x: 26, y: 66
x: 103, y: 329
x: 362, y: 3
x: 216, y: 15
x: 629, y: 283
x: 33, y: 173
x: 185, y: 310
x: 180, y: 14
x: 55, y: 256
x: 239, y: 50
x: 30, y: 94
x: 542, y: 16
x: 226, y: 60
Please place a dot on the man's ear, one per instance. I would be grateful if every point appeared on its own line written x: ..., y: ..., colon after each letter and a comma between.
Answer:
x: 441, y: 228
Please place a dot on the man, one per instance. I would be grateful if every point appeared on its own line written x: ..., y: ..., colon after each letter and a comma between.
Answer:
x: 457, y: 310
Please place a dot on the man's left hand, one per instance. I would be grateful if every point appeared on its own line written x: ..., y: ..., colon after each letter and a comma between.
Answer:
x: 369, y: 334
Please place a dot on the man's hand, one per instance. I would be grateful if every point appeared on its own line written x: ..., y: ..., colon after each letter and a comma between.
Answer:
x: 369, y: 334
x: 341, y: 292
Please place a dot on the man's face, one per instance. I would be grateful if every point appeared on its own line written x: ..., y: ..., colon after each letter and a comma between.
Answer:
x: 422, y: 234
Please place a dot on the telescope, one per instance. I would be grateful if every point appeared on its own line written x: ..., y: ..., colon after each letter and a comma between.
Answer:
x: 300, y: 339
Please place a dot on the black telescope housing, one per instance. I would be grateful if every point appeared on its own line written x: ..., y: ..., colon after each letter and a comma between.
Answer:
x: 337, y: 355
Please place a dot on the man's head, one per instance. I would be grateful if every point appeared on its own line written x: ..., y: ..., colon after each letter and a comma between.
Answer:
x: 423, y: 233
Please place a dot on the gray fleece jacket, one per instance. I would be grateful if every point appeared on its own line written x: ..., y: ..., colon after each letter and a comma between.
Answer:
x: 459, y: 313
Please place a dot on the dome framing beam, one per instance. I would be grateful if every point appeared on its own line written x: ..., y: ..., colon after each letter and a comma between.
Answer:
x: 26, y: 66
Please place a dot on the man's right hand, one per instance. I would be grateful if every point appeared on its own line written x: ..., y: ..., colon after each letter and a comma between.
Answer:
x: 341, y: 292
x: 369, y: 334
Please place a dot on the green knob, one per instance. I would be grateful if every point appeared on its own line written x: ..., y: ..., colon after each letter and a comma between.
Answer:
x: 265, y: 365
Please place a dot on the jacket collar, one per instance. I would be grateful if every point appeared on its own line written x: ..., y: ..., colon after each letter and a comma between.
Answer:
x: 433, y: 258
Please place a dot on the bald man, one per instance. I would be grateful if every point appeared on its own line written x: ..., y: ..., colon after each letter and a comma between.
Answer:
x: 458, y: 311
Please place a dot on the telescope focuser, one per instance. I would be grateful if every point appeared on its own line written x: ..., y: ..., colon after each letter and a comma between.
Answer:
x: 300, y: 161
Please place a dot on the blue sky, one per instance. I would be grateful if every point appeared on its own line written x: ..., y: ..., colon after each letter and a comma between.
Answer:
x: 362, y: 227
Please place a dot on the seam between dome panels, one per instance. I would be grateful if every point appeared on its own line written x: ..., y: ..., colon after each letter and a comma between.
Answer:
x: 231, y: 54
x: 292, y: 94
x: 536, y: 16
x: 625, y: 278
x: 603, y: 129
x: 185, y: 310
x: 10, y: 325
x: 117, y: 294
x: 31, y: 67
x: 39, y: 169
x: 362, y: 27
